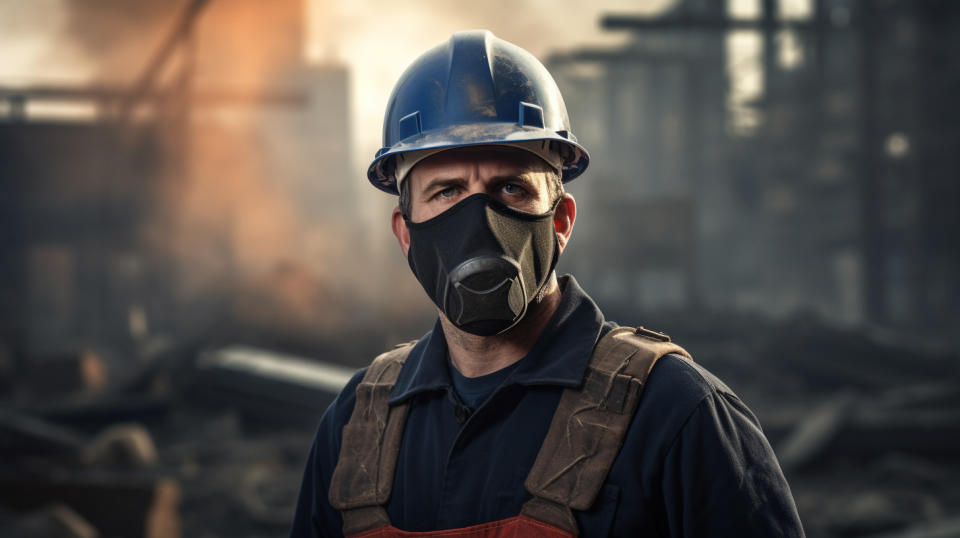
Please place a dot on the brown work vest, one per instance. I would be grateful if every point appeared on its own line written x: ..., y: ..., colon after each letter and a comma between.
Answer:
x: 584, y: 438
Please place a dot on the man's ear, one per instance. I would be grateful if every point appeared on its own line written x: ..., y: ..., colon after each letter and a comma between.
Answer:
x: 400, y: 230
x: 563, y: 219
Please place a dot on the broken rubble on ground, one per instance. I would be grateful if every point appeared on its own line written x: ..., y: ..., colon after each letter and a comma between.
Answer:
x: 212, y: 441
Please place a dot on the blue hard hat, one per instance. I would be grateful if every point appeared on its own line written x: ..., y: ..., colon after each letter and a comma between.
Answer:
x: 475, y: 89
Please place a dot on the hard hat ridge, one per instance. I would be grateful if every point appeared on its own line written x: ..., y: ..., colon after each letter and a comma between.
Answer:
x: 475, y: 89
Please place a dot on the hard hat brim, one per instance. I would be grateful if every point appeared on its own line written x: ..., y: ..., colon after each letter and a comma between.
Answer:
x: 381, y: 170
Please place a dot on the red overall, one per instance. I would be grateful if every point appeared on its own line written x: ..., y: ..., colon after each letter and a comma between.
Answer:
x: 514, y: 527
x: 568, y: 473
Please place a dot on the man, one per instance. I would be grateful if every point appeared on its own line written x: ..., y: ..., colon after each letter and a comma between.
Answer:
x: 523, y: 412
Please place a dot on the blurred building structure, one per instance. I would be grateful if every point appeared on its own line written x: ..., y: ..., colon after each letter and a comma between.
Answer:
x: 835, y: 196
x: 652, y: 114
x: 125, y: 207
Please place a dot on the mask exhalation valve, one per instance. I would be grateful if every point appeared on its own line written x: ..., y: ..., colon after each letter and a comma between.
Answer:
x: 485, y: 285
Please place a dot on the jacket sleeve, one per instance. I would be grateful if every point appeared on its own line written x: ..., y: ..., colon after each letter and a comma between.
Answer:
x: 721, y: 477
x: 314, y: 517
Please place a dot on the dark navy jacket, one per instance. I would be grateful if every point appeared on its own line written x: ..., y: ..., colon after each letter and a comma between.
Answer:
x: 694, y: 461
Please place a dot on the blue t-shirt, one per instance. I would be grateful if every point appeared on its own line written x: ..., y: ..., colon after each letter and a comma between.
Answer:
x: 694, y: 461
x: 473, y: 391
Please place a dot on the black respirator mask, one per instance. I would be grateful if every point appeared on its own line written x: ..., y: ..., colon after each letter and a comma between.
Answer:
x: 482, y: 262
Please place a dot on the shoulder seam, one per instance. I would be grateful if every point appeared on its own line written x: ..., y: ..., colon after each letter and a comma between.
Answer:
x: 683, y: 425
x: 714, y: 387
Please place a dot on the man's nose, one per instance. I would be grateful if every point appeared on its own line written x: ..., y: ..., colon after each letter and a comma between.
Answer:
x: 484, y: 186
x: 476, y: 187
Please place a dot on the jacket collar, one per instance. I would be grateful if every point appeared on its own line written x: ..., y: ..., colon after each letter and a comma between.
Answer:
x: 559, y: 357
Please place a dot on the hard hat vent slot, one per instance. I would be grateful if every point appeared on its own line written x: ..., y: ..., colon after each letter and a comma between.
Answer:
x: 409, y: 125
x: 530, y: 115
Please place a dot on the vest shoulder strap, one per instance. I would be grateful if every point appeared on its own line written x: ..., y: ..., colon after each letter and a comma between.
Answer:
x: 363, y: 477
x: 589, y: 426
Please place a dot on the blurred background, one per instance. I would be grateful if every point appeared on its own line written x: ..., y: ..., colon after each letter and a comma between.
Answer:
x: 193, y: 262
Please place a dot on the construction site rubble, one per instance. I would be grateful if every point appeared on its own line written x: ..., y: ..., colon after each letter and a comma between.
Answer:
x: 866, y: 432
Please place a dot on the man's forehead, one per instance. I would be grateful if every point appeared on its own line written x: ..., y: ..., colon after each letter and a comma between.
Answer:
x: 496, y: 159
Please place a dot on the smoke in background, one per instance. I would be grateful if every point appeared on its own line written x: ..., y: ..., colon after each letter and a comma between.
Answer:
x: 263, y: 208
x: 247, y: 204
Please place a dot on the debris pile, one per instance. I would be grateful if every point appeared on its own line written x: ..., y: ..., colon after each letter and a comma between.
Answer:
x: 194, y: 441
x: 186, y: 443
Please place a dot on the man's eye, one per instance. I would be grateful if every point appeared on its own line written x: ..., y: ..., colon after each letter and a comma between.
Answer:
x: 510, y: 188
x: 447, y: 193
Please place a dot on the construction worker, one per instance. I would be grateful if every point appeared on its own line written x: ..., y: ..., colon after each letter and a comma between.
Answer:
x: 523, y: 412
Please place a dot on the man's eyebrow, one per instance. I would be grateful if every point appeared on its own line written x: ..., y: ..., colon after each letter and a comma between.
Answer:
x: 521, y: 178
x: 441, y: 182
